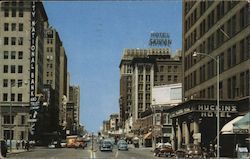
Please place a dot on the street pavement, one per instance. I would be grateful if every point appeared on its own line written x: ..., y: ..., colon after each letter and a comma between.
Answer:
x: 87, y: 153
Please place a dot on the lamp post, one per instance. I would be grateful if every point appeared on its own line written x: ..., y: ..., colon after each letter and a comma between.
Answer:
x: 218, y: 97
x: 10, y: 109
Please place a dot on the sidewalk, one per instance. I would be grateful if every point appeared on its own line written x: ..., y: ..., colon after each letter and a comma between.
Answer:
x: 15, y: 151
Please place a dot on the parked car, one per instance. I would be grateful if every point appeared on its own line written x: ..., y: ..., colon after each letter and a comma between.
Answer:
x: 4, y: 148
x: 106, y: 146
x: 122, y: 145
x: 163, y: 150
x: 63, y: 143
x: 190, y: 151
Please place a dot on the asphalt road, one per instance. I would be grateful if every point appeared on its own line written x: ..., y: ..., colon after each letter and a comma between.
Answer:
x: 87, y: 153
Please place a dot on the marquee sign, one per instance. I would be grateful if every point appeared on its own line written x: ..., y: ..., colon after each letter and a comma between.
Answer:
x: 160, y: 39
x: 206, y: 110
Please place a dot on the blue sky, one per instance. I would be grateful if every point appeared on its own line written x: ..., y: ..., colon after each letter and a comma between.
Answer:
x: 95, y: 34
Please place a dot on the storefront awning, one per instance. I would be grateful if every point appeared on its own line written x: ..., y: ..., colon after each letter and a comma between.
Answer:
x: 148, y: 135
x: 229, y: 128
x: 243, y: 123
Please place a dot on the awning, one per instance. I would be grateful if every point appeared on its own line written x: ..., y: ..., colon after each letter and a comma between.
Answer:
x: 228, y: 128
x: 148, y: 135
x: 243, y: 123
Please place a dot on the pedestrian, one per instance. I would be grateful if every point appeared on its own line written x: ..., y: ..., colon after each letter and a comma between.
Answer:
x: 27, y: 145
x: 23, y: 144
x: 17, y: 145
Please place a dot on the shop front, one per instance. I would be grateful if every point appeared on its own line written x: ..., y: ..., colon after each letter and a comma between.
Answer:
x: 195, y: 122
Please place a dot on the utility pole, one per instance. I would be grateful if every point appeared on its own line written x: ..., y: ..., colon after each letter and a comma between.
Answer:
x: 92, y: 143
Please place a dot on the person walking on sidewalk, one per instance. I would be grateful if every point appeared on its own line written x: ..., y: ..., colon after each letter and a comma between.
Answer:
x: 23, y: 144
x: 27, y: 146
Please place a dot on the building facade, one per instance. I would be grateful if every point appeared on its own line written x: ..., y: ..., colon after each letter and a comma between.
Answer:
x: 140, y: 70
x: 73, y: 106
x: 219, y: 29
x: 15, y: 65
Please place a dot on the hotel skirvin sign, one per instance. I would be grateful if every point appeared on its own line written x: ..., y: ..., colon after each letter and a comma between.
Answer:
x: 206, y: 109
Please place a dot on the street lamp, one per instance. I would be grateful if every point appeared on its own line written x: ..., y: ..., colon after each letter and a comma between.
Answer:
x: 218, y: 97
x: 10, y: 109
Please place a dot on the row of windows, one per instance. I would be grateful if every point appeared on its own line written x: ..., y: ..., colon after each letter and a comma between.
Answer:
x: 10, y: 120
x: 169, y: 78
x: 170, y: 68
x: 13, y: 13
x: 14, y: 97
x: 229, y: 29
x: 7, y: 82
x: 13, y: 40
x: 13, y: 27
x: 49, y: 41
x: 213, y: 17
x: 12, y: 69
x: 140, y: 87
x: 49, y: 49
x: 140, y: 96
x: 13, y: 3
x: 228, y: 58
x: 9, y: 134
x: 12, y: 55
x: 236, y: 86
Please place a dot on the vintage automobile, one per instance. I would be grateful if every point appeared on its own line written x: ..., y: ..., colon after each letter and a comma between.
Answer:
x: 191, y: 151
x: 163, y: 149
x: 122, y: 145
x: 106, y: 146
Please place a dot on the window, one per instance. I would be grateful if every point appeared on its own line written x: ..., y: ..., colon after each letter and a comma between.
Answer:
x: 175, y: 68
x: 20, y: 13
x: 140, y: 77
x: 169, y: 78
x: 13, y: 41
x: 6, y: 13
x: 8, y: 120
x: 6, y: 40
x: 7, y: 134
x: 148, y: 78
x: 13, y: 27
x: 20, y: 69
x: 6, y: 26
x: 13, y: 13
x: 12, y: 97
x: 47, y: 74
x: 19, y: 97
x: 5, y: 97
x: 20, y: 55
x: 242, y: 84
x: 161, y: 68
x: 12, y: 69
x: 161, y: 77
x: 19, y: 83
x: 23, y: 119
x: 5, y: 55
x: 13, y: 55
x: 140, y: 96
x: 169, y: 68
x: 22, y: 135
x: 5, y: 82
x: 20, y: 27
x: 20, y: 41
x: 175, y: 78
x: 140, y: 87
x: 5, y: 69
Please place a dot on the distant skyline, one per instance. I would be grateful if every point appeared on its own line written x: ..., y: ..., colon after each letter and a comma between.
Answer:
x: 94, y: 35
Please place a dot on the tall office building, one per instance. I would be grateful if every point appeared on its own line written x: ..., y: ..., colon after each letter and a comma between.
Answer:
x: 140, y: 70
x: 220, y: 30
x: 63, y: 89
x: 216, y: 28
x: 73, y: 109
x: 21, y: 64
x: 52, y: 69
